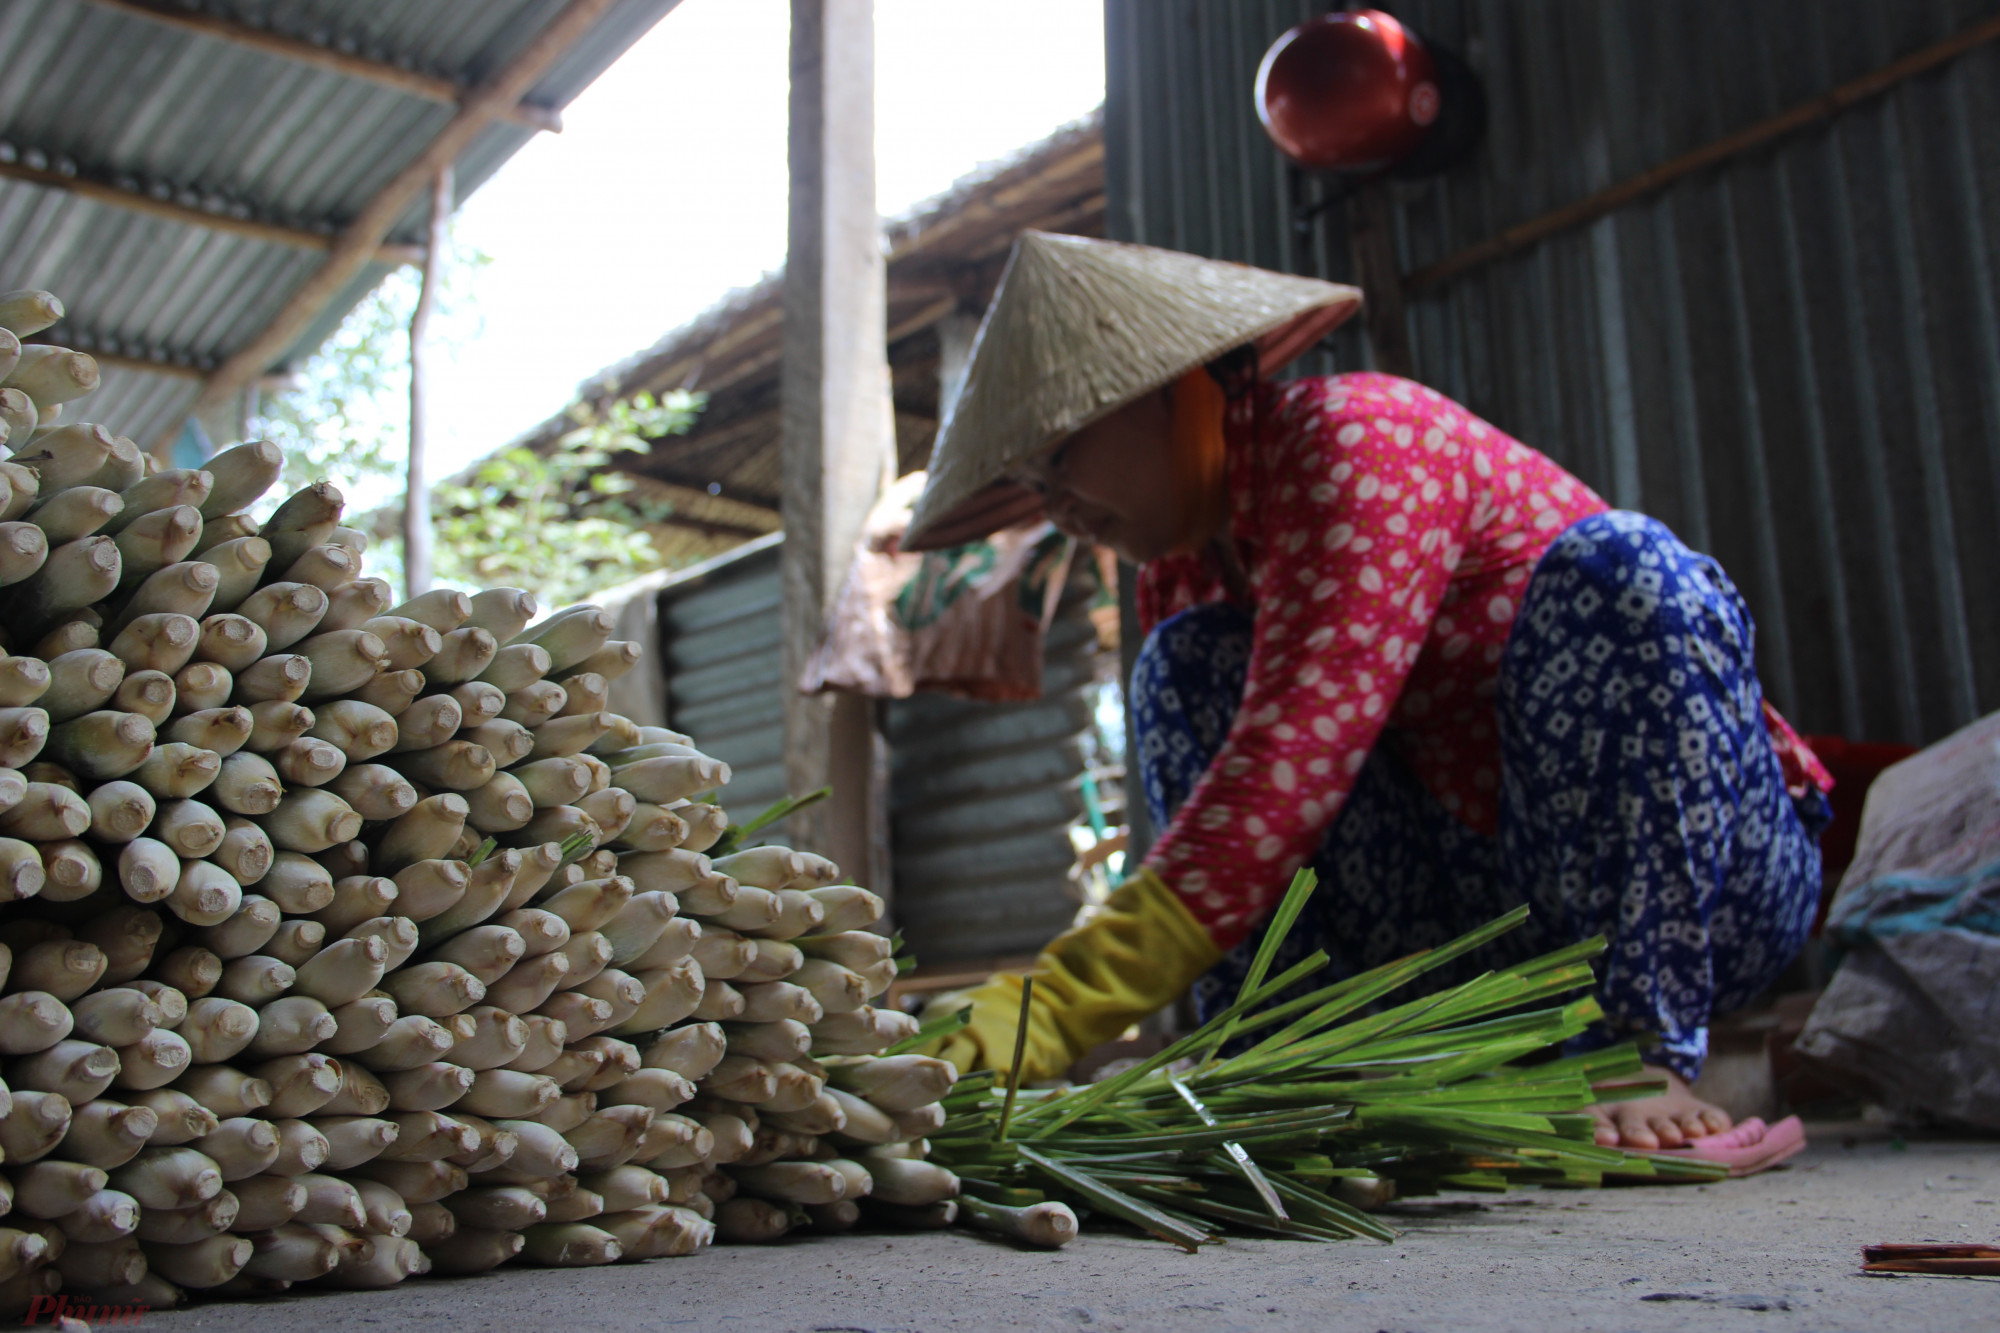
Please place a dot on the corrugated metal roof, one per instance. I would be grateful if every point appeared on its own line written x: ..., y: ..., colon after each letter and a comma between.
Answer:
x: 1793, y: 358
x: 102, y: 95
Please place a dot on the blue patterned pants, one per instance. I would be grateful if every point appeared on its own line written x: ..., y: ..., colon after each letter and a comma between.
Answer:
x: 1640, y: 797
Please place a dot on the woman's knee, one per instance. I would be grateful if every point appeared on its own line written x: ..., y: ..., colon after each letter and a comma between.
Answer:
x: 1631, y: 668
x: 1621, y: 587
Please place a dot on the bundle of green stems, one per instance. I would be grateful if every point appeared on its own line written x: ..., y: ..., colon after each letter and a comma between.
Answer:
x: 1294, y: 1116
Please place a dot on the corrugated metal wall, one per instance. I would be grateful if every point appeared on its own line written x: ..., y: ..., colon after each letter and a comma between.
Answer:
x: 1793, y: 359
x: 981, y: 795
x: 721, y: 641
x: 981, y: 800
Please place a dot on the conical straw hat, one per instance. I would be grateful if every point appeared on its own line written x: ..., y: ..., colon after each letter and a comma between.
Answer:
x: 1078, y: 329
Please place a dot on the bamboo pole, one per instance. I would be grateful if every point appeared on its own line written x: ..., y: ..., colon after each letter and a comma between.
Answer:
x: 416, y: 487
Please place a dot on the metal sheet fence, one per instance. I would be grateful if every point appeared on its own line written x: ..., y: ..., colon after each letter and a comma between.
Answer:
x: 1792, y: 359
x: 981, y: 795
x: 981, y: 800
x: 723, y: 646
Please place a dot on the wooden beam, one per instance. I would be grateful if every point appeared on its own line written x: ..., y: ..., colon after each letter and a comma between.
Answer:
x: 1372, y: 241
x: 768, y: 421
x: 1001, y: 203
x: 761, y: 354
x: 709, y: 366
x: 711, y: 526
x: 748, y: 347
x: 905, y: 289
x: 352, y: 251
x: 921, y: 318
x: 137, y: 201
x: 715, y: 528
x: 687, y: 481
x: 979, y: 227
x: 999, y: 241
x: 728, y: 515
x: 144, y: 365
x: 119, y: 361
x: 429, y: 87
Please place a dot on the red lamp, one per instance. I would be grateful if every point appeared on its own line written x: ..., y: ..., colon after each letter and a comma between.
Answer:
x: 1358, y: 93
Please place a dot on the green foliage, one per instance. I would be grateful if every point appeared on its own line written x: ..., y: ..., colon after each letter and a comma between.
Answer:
x: 345, y: 416
x: 1194, y: 1142
x: 562, y: 525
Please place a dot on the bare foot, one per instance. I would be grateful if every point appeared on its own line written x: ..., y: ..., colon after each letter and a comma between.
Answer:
x: 1670, y: 1120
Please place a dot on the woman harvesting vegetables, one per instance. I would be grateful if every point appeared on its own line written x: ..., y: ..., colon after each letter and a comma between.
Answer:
x: 1386, y: 641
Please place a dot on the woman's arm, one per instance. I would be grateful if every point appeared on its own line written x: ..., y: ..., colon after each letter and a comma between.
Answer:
x: 1360, y: 525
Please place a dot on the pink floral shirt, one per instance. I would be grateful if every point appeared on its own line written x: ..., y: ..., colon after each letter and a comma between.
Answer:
x: 1388, y: 535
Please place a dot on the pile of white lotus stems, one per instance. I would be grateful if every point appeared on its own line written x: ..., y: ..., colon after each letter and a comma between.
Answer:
x: 344, y: 941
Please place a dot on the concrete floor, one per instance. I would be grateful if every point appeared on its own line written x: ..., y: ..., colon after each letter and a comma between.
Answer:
x: 1780, y: 1251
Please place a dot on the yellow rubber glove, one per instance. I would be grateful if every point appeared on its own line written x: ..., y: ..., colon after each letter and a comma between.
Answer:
x: 1136, y: 956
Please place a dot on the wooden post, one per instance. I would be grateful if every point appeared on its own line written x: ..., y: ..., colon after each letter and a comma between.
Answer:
x: 1372, y: 236
x: 416, y: 486
x: 838, y: 422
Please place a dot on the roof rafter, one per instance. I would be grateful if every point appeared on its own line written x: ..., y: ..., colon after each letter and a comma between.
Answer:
x: 177, y: 367
x: 139, y: 201
x: 710, y: 527
x: 715, y: 487
x: 354, y: 247
x: 698, y: 441
x: 429, y: 87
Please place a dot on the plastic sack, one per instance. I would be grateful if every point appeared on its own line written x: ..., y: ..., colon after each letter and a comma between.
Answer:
x: 1910, y: 1016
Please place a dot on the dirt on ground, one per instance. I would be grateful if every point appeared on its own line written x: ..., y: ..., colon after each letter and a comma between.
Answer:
x: 1777, y: 1252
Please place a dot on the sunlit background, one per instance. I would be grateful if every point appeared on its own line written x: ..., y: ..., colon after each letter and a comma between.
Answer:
x: 667, y: 186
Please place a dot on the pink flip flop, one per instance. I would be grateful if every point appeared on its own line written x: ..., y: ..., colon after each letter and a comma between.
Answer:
x: 1751, y: 1147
